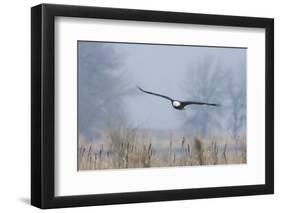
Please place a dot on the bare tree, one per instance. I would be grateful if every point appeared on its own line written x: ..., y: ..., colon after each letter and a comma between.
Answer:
x: 205, y: 81
x: 102, y: 86
x: 237, y: 94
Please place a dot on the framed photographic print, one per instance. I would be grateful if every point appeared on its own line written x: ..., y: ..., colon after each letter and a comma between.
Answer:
x: 140, y: 106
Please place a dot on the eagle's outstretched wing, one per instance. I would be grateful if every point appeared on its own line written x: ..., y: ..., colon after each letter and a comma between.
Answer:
x: 152, y: 93
x: 184, y: 103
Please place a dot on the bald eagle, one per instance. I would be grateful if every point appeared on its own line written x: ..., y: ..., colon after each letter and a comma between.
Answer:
x: 179, y: 105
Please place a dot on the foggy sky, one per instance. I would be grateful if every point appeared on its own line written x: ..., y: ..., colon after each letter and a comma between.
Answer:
x: 161, y: 69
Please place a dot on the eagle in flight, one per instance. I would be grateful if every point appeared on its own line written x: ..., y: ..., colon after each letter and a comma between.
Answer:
x: 179, y: 105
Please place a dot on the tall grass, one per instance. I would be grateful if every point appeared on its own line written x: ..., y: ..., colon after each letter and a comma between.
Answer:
x: 129, y: 148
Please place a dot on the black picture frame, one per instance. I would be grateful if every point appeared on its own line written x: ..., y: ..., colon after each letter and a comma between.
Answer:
x: 43, y: 105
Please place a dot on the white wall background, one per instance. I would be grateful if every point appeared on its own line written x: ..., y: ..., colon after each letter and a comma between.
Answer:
x: 15, y: 105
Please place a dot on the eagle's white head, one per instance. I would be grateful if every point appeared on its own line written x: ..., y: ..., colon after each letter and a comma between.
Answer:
x: 176, y: 103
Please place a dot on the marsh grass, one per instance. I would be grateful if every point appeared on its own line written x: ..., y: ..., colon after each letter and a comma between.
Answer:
x: 129, y: 148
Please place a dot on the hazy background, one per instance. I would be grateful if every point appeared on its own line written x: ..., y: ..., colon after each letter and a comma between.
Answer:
x: 109, y: 73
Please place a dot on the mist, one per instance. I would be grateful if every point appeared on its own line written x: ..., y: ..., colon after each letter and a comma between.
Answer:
x: 109, y: 74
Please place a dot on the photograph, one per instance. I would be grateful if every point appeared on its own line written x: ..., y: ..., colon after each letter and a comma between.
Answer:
x: 139, y: 105
x: 147, y: 105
